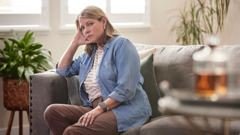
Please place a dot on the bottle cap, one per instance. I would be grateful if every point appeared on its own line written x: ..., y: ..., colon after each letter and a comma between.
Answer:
x: 213, y: 40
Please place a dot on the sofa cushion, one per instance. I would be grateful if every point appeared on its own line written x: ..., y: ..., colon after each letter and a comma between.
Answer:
x: 132, y: 131
x: 150, y: 84
x: 144, y: 53
x: 73, y: 90
x: 179, y: 125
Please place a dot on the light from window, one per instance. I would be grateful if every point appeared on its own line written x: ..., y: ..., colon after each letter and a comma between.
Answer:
x: 20, y: 6
x: 21, y: 15
x: 127, y: 6
x: 76, y: 6
x: 121, y: 13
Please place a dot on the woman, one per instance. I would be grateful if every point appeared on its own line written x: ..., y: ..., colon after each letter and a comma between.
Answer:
x: 109, y: 78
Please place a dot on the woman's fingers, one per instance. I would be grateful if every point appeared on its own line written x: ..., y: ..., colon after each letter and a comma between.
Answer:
x: 85, y: 119
x: 79, y: 38
x: 89, y: 117
x: 91, y: 122
x: 81, y: 118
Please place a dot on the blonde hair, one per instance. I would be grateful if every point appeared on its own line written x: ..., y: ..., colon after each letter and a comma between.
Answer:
x: 93, y: 12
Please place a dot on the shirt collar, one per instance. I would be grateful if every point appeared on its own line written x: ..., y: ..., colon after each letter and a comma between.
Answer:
x: 108, y: 44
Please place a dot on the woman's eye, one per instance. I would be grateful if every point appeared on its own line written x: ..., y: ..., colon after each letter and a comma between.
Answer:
x: 82, y: 28
x: 90, y: 24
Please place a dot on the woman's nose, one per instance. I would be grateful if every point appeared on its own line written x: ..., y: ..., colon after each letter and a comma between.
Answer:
x: 86, y: 31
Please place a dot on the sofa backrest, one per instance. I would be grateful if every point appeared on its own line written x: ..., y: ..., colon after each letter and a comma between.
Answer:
x: 174, y: 62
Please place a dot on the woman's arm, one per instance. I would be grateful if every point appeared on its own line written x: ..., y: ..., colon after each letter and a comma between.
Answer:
x: 127, y: 63
x: 111, y: 103
x: 67, y: 57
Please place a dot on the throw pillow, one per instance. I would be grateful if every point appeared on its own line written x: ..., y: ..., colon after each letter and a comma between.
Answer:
x: 73, y: 91
x: 150, y: 83
x: 144, y: 53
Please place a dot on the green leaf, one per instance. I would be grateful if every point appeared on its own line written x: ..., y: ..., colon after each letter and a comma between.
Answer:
x: 12, y: 63
x: 3, y: 67
x: 20, y: 80
x: 35, y: 46
x: 14, y: 41
x: 20, y: 71
x: 2, y: 53
x: 16, y: 35
x: 34, y: 65
x: 7, y: 46
x: 28, y: 71
x: 46, y: 65
x: 28, y: 38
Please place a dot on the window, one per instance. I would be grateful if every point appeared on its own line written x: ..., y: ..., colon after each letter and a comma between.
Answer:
x: 24, y: 14
x: 121, y: 13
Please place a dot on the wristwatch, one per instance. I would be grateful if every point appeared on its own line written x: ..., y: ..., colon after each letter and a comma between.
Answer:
x: 103, y: 105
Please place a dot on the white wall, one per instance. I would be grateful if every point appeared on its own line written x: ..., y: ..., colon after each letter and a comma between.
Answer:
x: 230, y: 35
x: 161, y: 11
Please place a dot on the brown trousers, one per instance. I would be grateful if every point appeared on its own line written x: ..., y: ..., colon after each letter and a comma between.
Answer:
x: 63, y: 119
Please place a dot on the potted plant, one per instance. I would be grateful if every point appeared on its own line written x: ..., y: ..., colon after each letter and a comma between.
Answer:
x: 18, y: 60
x: 198, y: 19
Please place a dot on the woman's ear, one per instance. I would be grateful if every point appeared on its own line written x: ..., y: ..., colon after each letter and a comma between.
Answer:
x: 104, y: 20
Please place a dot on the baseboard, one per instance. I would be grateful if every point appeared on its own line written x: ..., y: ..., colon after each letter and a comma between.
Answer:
x: 15, y: 130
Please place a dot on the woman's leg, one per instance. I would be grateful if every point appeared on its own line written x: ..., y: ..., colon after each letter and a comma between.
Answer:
x: 104, y: 124
x: 60, y: 116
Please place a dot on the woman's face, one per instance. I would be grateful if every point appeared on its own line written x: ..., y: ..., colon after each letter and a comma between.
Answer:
x: 92, y: 29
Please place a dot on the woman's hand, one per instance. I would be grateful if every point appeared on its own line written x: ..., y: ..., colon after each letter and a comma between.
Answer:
x: 80, y: 39
x: 89, y: 117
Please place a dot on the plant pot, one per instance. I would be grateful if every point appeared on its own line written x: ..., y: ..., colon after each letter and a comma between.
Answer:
x: 16, y: 97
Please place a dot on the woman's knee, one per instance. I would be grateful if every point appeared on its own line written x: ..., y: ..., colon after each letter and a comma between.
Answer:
x: 72, y: 130
x: 49, y: 111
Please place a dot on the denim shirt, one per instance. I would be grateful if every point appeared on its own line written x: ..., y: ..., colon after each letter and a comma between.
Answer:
x: 118, y: 77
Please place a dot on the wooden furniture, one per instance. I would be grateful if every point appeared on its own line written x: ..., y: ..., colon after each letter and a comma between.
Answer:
x: 20, y: 122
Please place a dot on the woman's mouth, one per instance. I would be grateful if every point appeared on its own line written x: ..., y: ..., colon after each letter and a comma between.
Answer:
x: 89, y: 36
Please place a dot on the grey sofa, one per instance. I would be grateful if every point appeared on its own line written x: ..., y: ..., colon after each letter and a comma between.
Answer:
x: 173, y: 63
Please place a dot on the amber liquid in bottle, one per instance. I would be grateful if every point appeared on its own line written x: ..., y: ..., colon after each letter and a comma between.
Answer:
x: 210, y: 84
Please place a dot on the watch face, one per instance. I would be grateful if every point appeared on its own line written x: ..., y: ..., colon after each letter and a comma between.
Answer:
x: 103, y: 106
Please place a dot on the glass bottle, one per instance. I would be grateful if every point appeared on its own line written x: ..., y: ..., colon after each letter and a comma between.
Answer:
x: 210, y: 69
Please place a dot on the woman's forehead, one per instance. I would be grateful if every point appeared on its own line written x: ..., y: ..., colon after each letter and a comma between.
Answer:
x: 83, y: 21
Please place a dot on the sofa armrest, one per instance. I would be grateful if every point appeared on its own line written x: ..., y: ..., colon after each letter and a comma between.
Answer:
x: 45, y: 89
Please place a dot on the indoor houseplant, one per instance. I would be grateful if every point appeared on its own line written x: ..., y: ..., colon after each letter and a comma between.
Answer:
x: 18, y: 60
x: 199, y: 19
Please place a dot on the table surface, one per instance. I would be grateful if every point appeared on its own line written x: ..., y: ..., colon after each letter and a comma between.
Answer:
x: 173, y: 105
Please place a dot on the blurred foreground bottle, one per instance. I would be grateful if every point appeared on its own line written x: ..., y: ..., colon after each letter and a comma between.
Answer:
x: 210, y: 69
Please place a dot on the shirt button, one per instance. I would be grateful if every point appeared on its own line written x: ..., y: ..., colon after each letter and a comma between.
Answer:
x: 116, y: 113
x: 100, y: 88
x: 127, y: 90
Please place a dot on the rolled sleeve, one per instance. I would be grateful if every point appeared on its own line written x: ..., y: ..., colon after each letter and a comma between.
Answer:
x: 63, y: 71
x: 72, y: 69
x: 122, y: 96
x: 118, y: 97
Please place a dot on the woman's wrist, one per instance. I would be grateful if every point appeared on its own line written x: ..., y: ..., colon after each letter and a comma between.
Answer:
x: 104, y: 106
x: 101, y: 110
x: 75, y: 44
x: 111, y: 103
